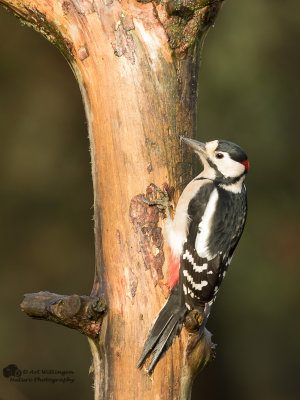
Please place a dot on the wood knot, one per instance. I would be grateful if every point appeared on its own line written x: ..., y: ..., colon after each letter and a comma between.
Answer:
x: 83, y: 313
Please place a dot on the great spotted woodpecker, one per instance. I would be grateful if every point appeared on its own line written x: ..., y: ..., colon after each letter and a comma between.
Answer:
x: 207, y: 225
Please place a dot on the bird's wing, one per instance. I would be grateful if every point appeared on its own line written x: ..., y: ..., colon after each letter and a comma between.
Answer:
x: 214, y: 231
x: 200, y: 274
x: 200, y: 277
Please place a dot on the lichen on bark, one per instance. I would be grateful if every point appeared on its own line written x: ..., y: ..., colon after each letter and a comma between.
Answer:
x: 185, y: 21
x: 33, y: 18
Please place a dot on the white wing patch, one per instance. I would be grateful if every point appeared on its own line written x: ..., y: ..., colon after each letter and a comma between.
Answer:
x: 197, y: 286
x: 187, y: 256
x: 204, y: 227
x: 188, y: 291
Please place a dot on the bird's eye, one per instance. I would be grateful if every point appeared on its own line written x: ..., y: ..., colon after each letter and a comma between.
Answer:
x: 219, y: 155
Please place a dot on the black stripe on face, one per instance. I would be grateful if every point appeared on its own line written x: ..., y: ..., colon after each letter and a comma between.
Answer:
x: 220, y: 178
x: 236, y: 152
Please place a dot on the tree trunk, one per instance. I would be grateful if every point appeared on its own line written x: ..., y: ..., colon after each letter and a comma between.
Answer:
x: 137, y: 67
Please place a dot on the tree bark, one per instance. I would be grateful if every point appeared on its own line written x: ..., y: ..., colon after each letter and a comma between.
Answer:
x: 137, y: 67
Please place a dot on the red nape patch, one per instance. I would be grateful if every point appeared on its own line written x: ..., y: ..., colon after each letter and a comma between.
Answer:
x: 174, y: 263
x: 246, y: 164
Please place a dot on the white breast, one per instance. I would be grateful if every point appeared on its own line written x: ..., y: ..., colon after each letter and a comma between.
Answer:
x: 177, y: 229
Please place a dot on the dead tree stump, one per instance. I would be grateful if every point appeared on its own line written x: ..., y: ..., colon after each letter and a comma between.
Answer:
x: 137, y: 65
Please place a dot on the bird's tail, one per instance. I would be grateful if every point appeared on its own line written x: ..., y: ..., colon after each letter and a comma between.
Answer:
x: 166, y: 327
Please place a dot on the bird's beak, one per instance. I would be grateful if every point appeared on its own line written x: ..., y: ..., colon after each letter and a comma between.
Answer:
x: 199, y: 147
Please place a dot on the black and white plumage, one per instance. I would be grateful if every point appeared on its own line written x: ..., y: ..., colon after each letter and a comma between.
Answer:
x: 207, y: 225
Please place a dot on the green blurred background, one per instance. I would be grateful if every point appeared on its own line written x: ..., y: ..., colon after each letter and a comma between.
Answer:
x: 249, y: 93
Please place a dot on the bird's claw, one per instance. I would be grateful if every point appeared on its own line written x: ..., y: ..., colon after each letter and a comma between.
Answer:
x: 193, y: 320
x: 163, y: 202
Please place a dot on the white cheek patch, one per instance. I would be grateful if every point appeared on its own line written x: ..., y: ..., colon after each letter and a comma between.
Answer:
x: 229, y: 167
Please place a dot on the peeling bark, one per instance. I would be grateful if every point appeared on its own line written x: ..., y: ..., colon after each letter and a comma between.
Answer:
x: 150, y: 239
x: 137, y: 67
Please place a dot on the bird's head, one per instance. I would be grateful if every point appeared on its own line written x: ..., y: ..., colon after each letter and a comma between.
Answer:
x: 222, y: 160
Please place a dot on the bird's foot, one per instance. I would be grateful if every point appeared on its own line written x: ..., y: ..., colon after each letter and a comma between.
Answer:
x: 193, y: 320
x: 163, y: 202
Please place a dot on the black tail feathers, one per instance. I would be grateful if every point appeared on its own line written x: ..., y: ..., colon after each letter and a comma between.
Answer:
x: 167, y: 326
